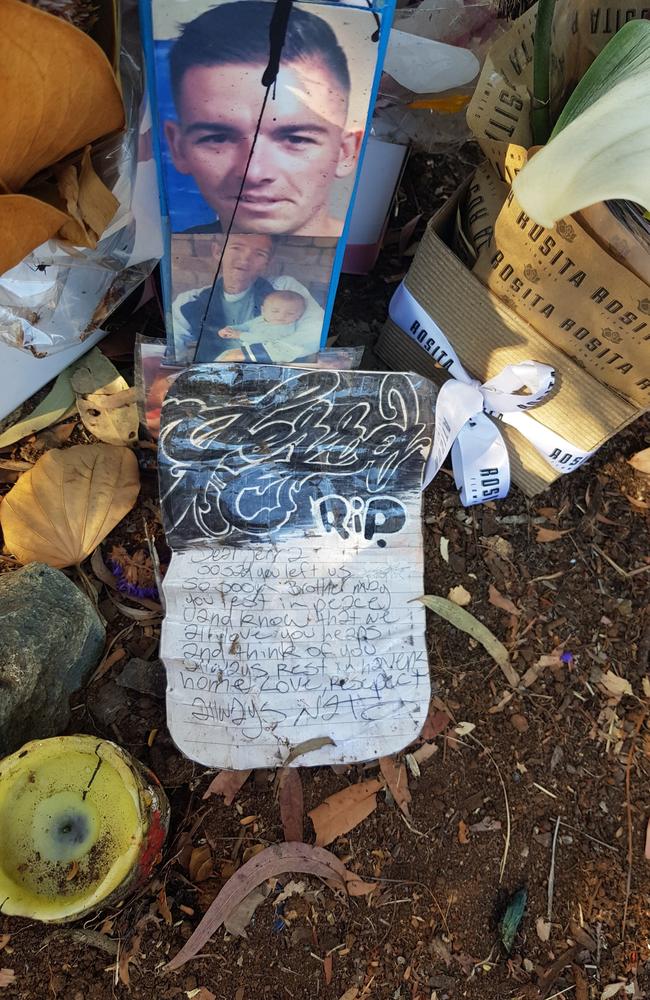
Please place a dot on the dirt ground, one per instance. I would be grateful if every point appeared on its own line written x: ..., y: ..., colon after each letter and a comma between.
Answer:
x: 551, y: 786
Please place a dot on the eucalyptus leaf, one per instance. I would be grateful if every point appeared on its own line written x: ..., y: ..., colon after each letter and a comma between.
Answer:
x: 463, y: 620
x: 56, y: 405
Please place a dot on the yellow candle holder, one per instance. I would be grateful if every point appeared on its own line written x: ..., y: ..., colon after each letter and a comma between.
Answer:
x: 81, y: 825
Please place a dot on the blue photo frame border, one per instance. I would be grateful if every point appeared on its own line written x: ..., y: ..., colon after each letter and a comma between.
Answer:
x: 384, y: 9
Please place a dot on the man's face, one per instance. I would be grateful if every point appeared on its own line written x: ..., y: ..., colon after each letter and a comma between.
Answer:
x: 302, y: 145
x: 244, y: 260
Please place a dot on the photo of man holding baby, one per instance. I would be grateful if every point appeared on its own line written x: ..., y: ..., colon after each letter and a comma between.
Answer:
x: 266, y: 303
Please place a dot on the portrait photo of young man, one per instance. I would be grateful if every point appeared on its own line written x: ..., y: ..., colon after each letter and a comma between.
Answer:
x: 289, y: 169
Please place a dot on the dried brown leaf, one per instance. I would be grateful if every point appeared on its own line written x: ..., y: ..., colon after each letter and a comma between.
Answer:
x: 327, y: 969
x: 239, y: 918
x: 486, y: 825
x: 549, y: 535
x: 647, y: 842
x: 533, y: 673
x: 7, y: 977
x: 136, y: 614
x: 106, y: 404
x: 308, y: 746
x: 273, y: 861
x: 163, y: 907
x: 59, y: 92
x: 25, y: 223
x: 439, y: 948
x: 617, y: 687
x: 612, y: 990
x: 397, y: 780
x: 463, y: 832
x: 228, y: 784
x: 460, y: 596
x: 88, y: 202
x: 424, y: 752
x: 582, y: 987
x: 201, y: 865
x: 344, y: 810
x: 128, y: 954
x: 637, y: 503
x: 291, y: 804
x: 435, y: 723
x: 641, y: 461
x: 203, y: 993
x: 59, y: 511
x: 503, y: 603
x: 4, y: 940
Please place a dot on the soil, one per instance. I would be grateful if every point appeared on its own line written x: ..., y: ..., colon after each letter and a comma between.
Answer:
x: 553, y: 778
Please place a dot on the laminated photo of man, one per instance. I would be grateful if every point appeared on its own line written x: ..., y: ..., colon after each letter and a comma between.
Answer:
x: 242, y: 318
x: 304, y: 144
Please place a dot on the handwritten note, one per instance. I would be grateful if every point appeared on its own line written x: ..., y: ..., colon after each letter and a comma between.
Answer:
x: 292, y: 501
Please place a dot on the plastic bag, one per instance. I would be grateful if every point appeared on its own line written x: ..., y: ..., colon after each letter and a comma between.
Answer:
x: 423, y: 100
x: 59, y: 295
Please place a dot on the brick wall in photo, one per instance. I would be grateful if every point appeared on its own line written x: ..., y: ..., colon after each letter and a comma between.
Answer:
x: 307, y: 259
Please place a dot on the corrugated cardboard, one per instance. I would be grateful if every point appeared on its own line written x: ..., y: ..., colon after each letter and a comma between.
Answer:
x: 580, y: 284
x: 564, y: 284
x: 487, y: 335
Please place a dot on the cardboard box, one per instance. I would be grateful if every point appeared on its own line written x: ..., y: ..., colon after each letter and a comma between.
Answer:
x: 487, y: 335
x: 563, y: 283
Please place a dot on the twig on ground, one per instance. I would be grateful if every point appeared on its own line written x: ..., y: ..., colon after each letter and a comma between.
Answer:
x: 551, y: 795
x: 506, y: 847
x: 418, y: 833
x: 561, y: 993
x: 628, y: 811
x: 610, y: 847
x: 626, y: 573
x: 551, y: 874
x: 421, y: 885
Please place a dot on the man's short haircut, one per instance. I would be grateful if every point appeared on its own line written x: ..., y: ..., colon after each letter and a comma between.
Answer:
x: 217, y: 240
x: 239, y: 33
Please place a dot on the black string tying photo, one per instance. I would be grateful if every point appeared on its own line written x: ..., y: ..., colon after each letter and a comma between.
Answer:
x: 277, y: 34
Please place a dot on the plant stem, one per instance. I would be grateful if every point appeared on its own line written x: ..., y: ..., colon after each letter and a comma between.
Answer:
x: 540, y: 115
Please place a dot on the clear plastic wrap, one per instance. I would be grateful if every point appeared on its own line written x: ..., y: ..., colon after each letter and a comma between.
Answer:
x: 153, y: 375
x: 450, y: 41
x: 60, y: 294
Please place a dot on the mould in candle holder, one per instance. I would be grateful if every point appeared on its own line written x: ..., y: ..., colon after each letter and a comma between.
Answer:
x: 81, y: 825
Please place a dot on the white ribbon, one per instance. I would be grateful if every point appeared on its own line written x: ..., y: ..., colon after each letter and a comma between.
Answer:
x: 479, y: 454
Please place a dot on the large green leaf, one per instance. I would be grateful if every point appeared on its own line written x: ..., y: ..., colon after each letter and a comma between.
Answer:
x: 599, y: 147
x: 625, y: 55
x: 601, y: 155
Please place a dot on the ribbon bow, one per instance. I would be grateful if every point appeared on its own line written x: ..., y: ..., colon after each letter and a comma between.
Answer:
x: 464, y: 406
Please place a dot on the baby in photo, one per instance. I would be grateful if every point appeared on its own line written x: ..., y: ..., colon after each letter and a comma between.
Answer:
x: 281, y: 311
x: 272, y: 335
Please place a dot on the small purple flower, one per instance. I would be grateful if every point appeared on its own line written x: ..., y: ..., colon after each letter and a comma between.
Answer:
x: 567, y: 657
x: 131, y: 587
